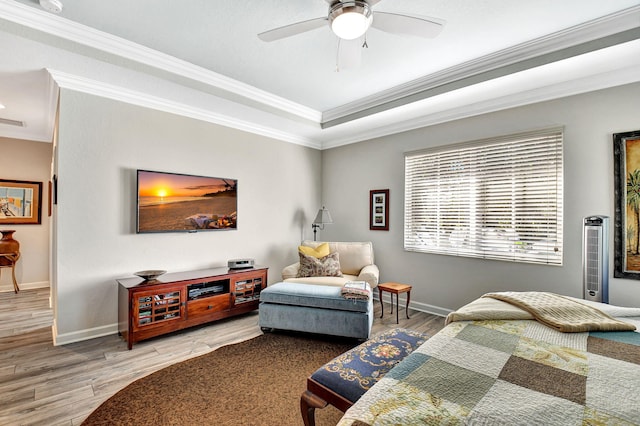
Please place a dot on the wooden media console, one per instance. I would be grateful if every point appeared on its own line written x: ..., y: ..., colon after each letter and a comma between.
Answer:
x: 184, y: 299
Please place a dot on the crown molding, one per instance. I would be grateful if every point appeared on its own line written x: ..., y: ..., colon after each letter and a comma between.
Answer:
x: 60, y: 27
x: 97, y: 88
x: 593, y: 34
x: 541, y: 94
x: 603, y: 32
x: 470, y: 72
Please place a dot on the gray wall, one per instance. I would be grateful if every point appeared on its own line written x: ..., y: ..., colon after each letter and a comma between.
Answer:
x: 445, y: 282
x: 102, y: 142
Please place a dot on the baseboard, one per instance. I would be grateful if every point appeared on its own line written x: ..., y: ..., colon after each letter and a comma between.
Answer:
x: 417, y: 306
x: 106, y: 330
x: 81, y: 335
x: 8, y: 286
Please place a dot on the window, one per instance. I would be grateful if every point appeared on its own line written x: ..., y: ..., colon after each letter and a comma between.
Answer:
x: 498, y: 198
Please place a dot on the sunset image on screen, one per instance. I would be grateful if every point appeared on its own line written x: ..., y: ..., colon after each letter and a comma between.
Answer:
x: 177, y: 202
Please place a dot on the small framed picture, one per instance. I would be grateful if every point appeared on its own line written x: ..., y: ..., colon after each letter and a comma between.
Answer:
x: 379, y: 210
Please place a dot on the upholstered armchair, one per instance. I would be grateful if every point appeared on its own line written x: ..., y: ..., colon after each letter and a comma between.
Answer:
x: 333, y: 263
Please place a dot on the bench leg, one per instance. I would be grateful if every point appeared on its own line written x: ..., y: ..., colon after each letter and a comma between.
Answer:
x: 308, y: 404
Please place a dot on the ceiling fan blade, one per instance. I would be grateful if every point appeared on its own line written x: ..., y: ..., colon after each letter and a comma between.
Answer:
x: 349, y: 54
x: 371, y: 2
x: 292, y: 29
x: 407, y: 25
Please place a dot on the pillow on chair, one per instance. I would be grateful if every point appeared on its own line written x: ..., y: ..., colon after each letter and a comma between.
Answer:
x: 327, y: 266
x: 319, y: 252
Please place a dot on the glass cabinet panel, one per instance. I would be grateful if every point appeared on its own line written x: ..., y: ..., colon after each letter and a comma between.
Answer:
x: 158, y: 307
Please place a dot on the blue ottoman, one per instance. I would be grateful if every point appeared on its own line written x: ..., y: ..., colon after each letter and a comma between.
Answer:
x: 343, y: 380
x: 314, y: 309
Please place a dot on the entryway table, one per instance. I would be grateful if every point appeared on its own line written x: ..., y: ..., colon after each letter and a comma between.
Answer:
x: 9, y: 260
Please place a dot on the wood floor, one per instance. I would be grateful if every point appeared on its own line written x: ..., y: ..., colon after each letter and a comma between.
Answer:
x: 42, y: 384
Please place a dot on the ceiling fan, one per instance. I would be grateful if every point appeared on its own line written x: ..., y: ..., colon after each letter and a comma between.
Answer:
x: 350, y: 20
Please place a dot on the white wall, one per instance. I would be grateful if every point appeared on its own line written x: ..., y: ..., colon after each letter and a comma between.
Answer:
x: 446, y: 282
x: 29, y: 161
x: 102, y: 142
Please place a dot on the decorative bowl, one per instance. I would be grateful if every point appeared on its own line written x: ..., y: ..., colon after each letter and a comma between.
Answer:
x: 151, y: 274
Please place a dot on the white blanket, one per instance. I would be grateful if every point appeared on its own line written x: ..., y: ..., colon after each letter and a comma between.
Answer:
x: 485, y: 308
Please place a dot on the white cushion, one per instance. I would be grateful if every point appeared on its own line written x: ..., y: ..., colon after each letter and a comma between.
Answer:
x: 353, y: 255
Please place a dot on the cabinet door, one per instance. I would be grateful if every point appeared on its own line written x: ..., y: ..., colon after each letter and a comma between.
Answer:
x: 247, y: 288
x: 155, y: 307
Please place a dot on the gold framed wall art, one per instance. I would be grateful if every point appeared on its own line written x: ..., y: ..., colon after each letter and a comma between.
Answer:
x: 20, y: 202
x: 626, y: 154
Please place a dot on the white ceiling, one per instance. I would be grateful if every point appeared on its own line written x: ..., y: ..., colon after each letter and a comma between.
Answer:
x: 499, y: 53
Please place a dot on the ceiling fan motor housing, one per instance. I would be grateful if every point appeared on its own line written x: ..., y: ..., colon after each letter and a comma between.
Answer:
x: 350, y: 19
x: 54, y: 6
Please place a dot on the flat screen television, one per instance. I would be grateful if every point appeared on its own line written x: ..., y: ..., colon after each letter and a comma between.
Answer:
x: 173, y: 202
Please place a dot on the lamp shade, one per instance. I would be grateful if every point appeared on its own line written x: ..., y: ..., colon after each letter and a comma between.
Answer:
x: 323, y: 216
x: 350, y: 19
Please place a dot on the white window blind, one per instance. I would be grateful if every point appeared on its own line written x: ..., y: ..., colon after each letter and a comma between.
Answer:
x: 499, y: 198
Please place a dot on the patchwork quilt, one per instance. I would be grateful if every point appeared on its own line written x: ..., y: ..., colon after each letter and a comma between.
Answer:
x: 509, y: 372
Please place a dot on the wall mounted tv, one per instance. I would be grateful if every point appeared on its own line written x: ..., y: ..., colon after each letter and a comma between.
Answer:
x: 172, y: 202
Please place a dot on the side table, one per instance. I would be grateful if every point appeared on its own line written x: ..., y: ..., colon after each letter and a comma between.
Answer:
x: 395, y: 288
x: 9, y: 260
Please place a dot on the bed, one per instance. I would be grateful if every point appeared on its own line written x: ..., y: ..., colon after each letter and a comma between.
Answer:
x: 550, y: 360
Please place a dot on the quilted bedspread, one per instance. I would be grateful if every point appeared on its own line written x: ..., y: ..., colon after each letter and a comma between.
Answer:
x: 509, y: 372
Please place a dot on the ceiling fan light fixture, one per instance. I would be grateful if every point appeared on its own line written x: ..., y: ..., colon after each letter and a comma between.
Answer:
x: 350, y: 19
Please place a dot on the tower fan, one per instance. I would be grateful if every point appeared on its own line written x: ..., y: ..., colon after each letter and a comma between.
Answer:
x: 595, y: 258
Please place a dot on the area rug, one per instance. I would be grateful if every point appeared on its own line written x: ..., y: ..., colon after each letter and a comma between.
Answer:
x: 256, y: 382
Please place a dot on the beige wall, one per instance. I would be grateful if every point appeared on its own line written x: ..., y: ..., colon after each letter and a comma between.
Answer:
x: 102, y: 142
x: 446, y: 282
x: 29, y: 161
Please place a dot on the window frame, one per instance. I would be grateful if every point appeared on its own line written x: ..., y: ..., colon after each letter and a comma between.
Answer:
x: 459, y: 200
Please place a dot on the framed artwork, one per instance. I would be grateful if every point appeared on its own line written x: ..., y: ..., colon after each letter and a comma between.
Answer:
x: 626, y: 155
x: 54, y: 196
x: 49, y: 197
x: 20, y: 202
x: 379, y: 210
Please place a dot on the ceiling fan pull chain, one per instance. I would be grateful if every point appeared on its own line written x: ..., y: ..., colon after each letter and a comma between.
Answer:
x: 338, y: 56
x: 365, y: 45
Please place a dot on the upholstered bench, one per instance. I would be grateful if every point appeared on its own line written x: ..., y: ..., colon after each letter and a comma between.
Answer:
x: 314, y: 309
x: 342, y: 381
